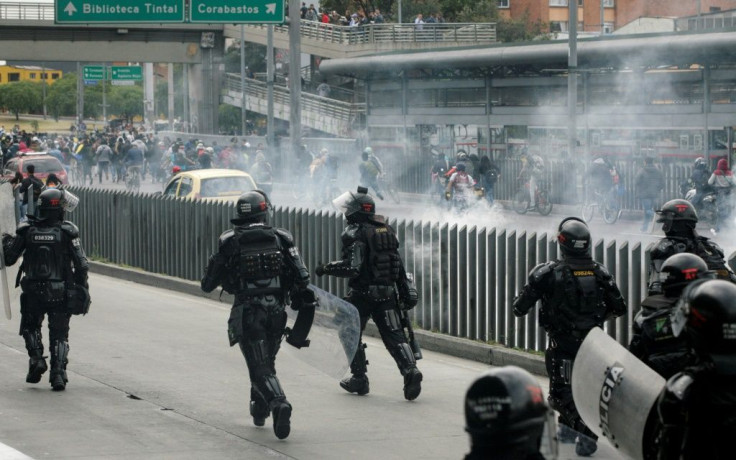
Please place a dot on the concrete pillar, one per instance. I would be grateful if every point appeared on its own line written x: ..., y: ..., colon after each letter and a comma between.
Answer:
x: 148, y: 95
x: 195, y: 84
x: 170, y: 78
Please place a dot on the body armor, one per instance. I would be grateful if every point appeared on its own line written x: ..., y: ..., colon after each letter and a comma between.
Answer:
x: 46, y: 256
x: 654, y: 341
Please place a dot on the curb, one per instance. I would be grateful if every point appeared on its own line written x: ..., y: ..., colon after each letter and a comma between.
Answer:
x: 495, y: 355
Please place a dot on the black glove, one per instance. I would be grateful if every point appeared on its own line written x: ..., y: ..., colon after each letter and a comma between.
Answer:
x: 7, y: 237
x: 320, y: 270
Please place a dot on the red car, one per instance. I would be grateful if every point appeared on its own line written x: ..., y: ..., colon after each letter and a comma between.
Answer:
x: 44, y: 164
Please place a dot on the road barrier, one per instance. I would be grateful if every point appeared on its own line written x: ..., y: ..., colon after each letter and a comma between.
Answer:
x: 467, y: 276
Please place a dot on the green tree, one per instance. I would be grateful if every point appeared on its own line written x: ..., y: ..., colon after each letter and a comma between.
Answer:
x: 126, y: 101
x: 23, y: 96
x: 522, y: 29
x: 481, y: 11
x: 255, y: 57
x: 229, y: 118
x: 61, y: 97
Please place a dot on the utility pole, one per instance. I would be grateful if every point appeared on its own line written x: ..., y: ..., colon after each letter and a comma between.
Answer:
x: 170, y: 78
x: 104, y: 95
x: 43, y: 87
x: 270, y: 134
x: 295, y: 80
x: 572, y: 79
x: 80, y: 94
x: 243, y: 111
x: 603, y: 19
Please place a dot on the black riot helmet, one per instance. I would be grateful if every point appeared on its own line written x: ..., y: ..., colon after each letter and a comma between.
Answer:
x: 505, y: 414
x: 707, y: 312
x: 53, y: 202
x: 678, y: 217
x: 680, y: 270
x: 357, y: 207
x: 253, y: 206
x: 573, y: 237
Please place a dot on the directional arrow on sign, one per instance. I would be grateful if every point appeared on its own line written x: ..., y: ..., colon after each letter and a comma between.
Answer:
x: 70, y: 8
x: 270, y: 8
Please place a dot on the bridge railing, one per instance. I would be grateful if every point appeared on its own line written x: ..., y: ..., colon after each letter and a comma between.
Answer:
x: 467, y: 276
x: 325, y: 106
x: 27, y: 11
x: 394, y: 33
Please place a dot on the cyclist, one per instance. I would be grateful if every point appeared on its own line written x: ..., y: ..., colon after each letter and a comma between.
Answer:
x: 133, y: 160
x: 530, y: 174
x: 369, y: 173
x: 460, y: 186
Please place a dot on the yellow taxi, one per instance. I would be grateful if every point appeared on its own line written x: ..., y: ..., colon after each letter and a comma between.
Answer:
x: 210, y: 184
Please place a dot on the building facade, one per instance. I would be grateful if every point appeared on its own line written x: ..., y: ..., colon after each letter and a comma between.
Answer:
x: 615, y: 14
x: 14, y: 73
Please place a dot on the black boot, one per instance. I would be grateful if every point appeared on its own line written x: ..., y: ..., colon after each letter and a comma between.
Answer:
x: 585, y: 446
x: 356, y: 384
x: 281, y: 411
x: 37, y: 363
x: 258, y: 408
x: 412, y: 384
x: 404, y: 357
x: 59, y: 353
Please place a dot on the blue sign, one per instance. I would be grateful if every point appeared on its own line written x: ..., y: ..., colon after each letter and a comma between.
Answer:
x: 90, y: 82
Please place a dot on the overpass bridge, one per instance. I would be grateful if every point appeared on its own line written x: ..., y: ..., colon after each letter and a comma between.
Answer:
x: 28, y: 31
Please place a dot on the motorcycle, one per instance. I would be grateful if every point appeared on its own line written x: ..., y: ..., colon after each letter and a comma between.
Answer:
x: 707, y: 209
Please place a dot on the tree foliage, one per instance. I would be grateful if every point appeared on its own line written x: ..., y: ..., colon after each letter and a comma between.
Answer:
x: 61, y: 97
x: 255, y: 57
x: 21, y: 97
x: 229, y: 118
x: 126, y: 101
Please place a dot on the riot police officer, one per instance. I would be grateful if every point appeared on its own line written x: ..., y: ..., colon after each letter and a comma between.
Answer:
x: 678, y: 218
x: 371, y: 261
x: 697, y: 408
x: 262, y: 268
x: 577, y: 295
x: 54, y: 282
x: 653, y: 340
x: 505, y: 415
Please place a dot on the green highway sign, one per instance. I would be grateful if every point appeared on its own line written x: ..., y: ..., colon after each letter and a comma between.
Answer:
x: 93, y: 72
x: 237, y: 11
x: 132, y: 73
x: 118, y: 11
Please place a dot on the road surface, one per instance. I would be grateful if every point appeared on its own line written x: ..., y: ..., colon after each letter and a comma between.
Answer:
x: 151, y: 376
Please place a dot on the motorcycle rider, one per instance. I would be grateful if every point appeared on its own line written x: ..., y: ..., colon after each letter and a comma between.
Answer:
x: 678, y: 218
x: 699, y: 180
x: 723, y: 181
x: 505, y: 414
x: 577, y: 295
x: 379, y: 286
x: 697, y: 408
x: 260, y: 265
x: 653, y: 340
x: 54, y: 282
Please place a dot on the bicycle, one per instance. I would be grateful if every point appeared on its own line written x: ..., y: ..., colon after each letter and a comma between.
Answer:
x: 521, y: 202
x: 133, y: 179
x: 606, y: 203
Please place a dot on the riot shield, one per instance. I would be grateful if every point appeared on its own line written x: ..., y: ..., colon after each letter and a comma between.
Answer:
x: 7, y: 225
x: 614, y: 392
x: 334, y: 337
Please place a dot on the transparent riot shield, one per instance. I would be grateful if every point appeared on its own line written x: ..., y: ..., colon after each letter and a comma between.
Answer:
x: 10, y: 296
x: 614, y: 392
x: 334, y: 337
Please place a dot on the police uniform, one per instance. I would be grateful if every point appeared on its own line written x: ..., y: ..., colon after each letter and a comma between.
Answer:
x: 54, y: 267
x: 261, y: 267
x: 371, y: 261
x: 697, y: 409
x: 577, y: 295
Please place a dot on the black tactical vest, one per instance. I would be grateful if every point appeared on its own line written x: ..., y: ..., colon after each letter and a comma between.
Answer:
x: 258, y: 261
x: 384, y: 262
x: 577, y: 303
x: 666, y: 353
x: 45, y: 257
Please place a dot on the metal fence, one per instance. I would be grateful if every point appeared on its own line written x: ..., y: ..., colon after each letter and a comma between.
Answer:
x: 391, y: 34
x: 27, y: 11
x: 467, y: 277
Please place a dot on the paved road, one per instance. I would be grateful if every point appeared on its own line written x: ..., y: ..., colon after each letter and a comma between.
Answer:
x: 152, y: 377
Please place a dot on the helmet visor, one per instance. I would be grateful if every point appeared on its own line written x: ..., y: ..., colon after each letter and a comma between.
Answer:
x: 345, y: 203
x: 69, y: 201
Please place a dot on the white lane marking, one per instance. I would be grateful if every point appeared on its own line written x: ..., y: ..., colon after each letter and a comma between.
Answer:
x: 8, y: 453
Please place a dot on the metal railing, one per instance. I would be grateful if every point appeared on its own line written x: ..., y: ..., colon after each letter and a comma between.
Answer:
x: 324, y: 106
x: 394, y: 33
x: 466, y: 276
x: 27, y: 11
